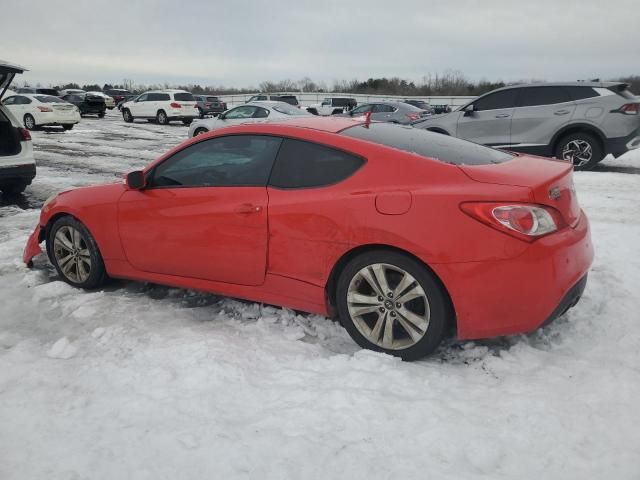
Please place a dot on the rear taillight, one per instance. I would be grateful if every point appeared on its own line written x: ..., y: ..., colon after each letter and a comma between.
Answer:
x: 207, y: 104
x: 521, y: 220
x: 24, y: 133
x: 45, y: 109
x: 175, y: 105
x: 630, y: 108
x: 413, y: 116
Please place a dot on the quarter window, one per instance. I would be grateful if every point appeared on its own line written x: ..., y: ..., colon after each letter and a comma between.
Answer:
x: 496, y: 101
x: 237, y: 160
x: 579, y: 93
x: 533, y: 96
x: 303, y: 164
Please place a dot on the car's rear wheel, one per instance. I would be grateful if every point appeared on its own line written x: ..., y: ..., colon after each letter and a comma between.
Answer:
x: 582, y: 149
x: 199, y: 131
x: 391, y: 303
x: 161, y: 117
x: 68, y: 126
x: 101, y: 115
x: 187, y: 122
x: 75, y: 254
x: 29, y: 122
x: 126, y: 115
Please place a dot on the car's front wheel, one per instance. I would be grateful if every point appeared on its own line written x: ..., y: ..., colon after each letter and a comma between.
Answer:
x: 199, y: 131
x: 75, y: 254
x: 582, y: 149
x: 391, y: 303
x: 126, y: 115
x: 68, y: 126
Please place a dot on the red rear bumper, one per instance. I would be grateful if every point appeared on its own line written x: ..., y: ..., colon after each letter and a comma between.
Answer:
x: 519, y: 295
x: 33, y: 246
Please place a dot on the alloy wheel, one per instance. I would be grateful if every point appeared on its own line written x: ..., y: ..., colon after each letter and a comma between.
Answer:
x: 72, y: 254
x: 388, y: 306
x: 577, y: 151
x: 29, y: 122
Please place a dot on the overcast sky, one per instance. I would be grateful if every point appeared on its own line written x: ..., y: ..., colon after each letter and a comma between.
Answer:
x: 241, y: 43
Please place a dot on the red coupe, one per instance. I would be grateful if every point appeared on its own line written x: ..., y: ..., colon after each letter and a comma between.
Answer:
x: 404, y: 234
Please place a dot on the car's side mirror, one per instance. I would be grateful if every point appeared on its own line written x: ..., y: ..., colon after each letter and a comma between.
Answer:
x: 222, y: 116
x: 469, y: 110
x: 135, y: 180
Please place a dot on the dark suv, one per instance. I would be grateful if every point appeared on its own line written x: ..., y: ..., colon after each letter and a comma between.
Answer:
x: 119, y: 94
x: 209, y: 105
x: 580, y: 121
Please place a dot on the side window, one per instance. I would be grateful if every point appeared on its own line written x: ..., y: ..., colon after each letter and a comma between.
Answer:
x: 143, y: 98
x: 303, y: 164
x: 579, y: 93
x: 496, y: 101
x: 237, y: 160
x: 9, y: 101
x: 533, y: 96
x: 245, y: 111
x: 381, y: 108
x: 362, y: 109
x: 326, y: 102
x: 261, y: 113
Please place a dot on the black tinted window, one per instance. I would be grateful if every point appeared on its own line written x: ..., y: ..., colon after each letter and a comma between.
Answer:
x: 239, y: 160
x: 158, y: 97
x: 212, y: 99
x: 578, y: 93
x: 183, y: 97
x: 261, y: 113
x: 428, y: 144
x: 495, y: 101
x: 302, y: 164
x: 532, y: 96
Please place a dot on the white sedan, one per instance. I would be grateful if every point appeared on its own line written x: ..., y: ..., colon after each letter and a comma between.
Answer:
x: 248, y: 113
x: 36, y: 110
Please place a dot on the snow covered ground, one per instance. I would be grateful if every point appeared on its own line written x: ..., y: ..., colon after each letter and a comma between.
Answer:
x: 144, y: 382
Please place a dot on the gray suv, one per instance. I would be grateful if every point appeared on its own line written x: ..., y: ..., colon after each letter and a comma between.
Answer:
x: 581, y: 121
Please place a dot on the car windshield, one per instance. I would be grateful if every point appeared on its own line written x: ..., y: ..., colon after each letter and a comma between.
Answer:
x: 428, y: 144
x: 48, y: 99
x: 288, y: 109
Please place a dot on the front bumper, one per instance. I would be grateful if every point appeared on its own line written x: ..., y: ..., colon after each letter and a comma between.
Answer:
x: 521, y: 294
x: 32, y: 248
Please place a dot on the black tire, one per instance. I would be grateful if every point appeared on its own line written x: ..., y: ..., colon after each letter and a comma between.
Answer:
x: 126, y: 115
x: 29, y: 122
x: 14, y: 188
x: 436, y: 304
x: 200, y: 112
x: 67, y: 126
x: 312, y: 111
x: 581, y: 142
x: 101, y: 115
x: 97, y: 273
x: 161, y: 118
x: 187, y: 122
x: 337, y: 111
x: 199, y: 131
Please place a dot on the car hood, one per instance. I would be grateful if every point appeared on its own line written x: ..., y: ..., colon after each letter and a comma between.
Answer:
x: 7, y: 72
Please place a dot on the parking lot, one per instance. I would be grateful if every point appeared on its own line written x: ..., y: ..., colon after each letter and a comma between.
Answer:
x: 135, y: 374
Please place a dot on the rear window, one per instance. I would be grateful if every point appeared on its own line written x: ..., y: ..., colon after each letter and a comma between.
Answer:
x: 184, y: 97
x: 428, y: 144
x: 290, y: 99
x: 288, y: 109
x: 48, y: 99
x: 212, y: 99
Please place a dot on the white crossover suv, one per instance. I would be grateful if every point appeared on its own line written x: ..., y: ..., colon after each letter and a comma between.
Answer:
x: 163, y: 106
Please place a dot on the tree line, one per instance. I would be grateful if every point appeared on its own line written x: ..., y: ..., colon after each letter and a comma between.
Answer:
x: 450, y: 83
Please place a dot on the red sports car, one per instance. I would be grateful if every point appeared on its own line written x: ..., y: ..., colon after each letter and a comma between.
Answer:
x: 404, y: 234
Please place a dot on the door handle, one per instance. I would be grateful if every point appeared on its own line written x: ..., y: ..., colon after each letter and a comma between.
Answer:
x: 561, y: 112
x: 503, y: 115
x: 249, y: 208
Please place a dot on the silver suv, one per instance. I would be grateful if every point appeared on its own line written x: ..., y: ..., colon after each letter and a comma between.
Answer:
x: 581, y: 122
x: 17, y: 165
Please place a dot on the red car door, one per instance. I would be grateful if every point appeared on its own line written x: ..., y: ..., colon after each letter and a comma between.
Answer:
x: 203, y: 213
